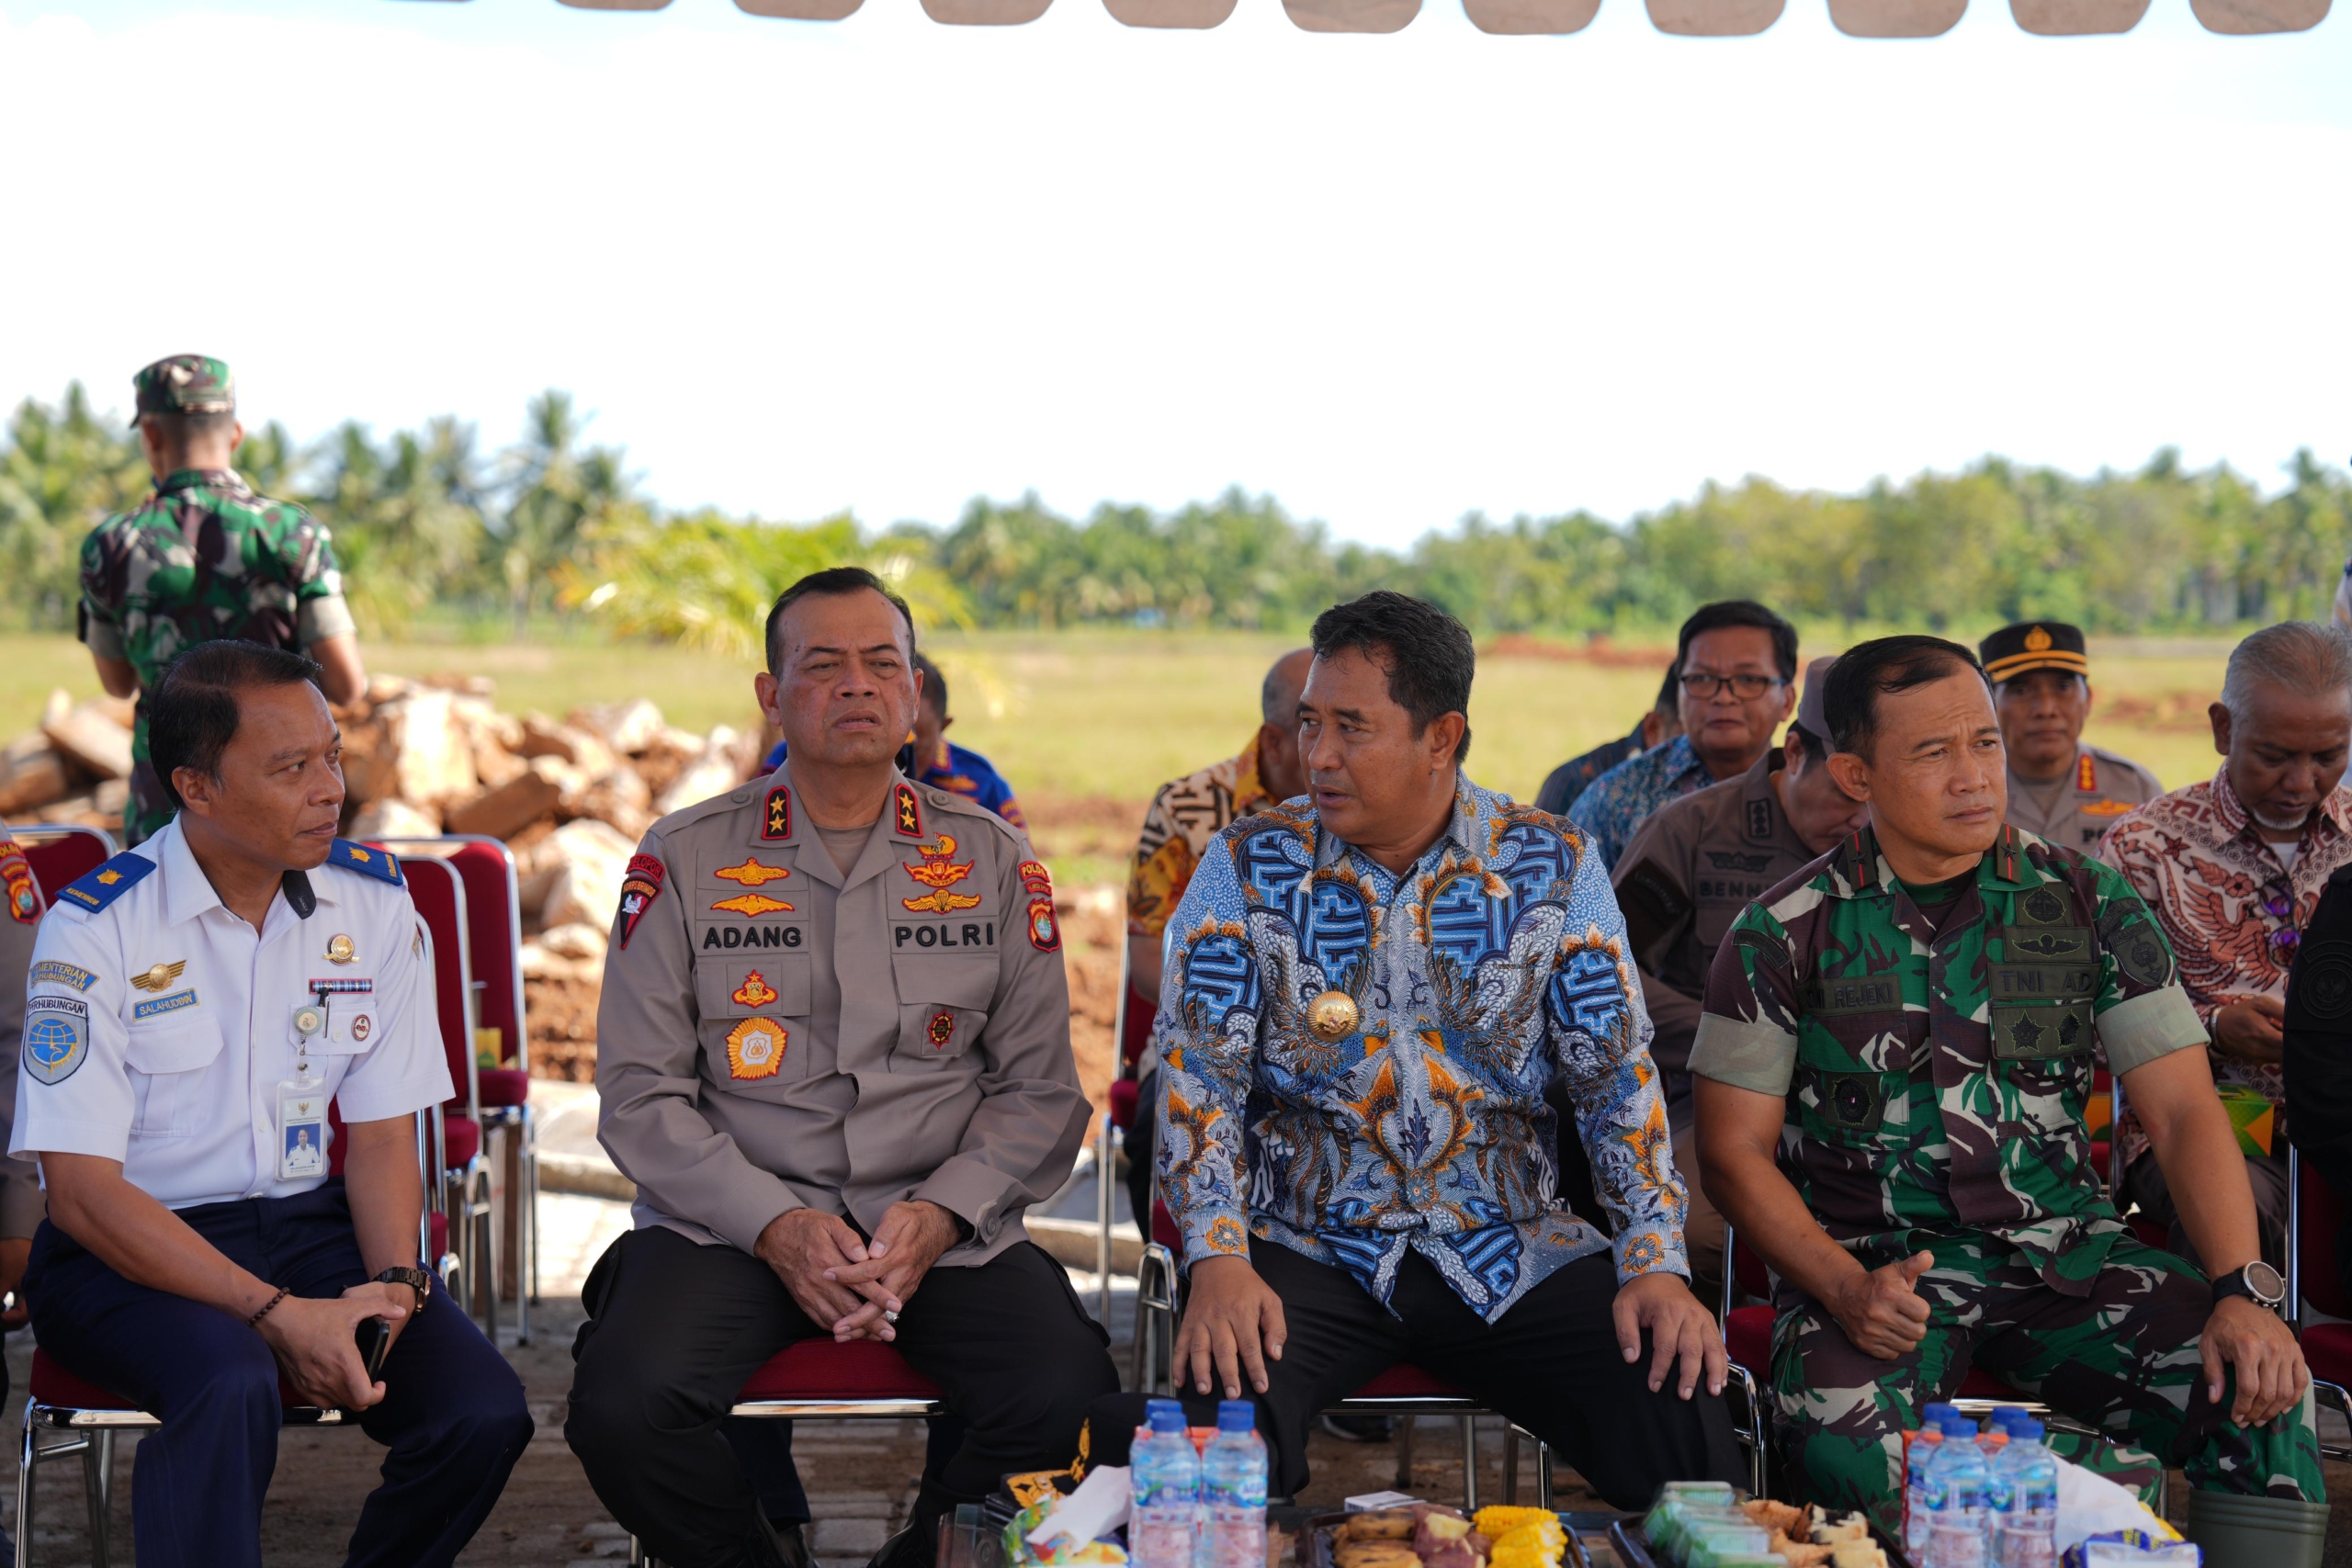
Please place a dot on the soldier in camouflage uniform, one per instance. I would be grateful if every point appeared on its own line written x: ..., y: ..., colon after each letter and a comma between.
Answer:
x: 204, y: 557
x: 1893, y: 1072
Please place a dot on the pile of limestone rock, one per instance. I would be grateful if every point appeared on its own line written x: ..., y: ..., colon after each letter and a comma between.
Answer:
x: 570, y: 798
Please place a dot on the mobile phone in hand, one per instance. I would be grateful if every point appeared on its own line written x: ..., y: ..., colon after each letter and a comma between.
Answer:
x: 375, y: 1336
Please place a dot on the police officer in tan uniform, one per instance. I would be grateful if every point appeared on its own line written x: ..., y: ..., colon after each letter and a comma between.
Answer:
x: 833, y: 1055
x: 2059, y: 788
x: 1692, y: 866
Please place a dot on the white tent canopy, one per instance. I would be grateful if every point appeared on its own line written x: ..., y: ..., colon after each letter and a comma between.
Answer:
x: 1696, y: 18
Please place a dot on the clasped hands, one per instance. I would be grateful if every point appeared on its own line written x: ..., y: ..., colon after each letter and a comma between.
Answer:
x: 857, y: 1287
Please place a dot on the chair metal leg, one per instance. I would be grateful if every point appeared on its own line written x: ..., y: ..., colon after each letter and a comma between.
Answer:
x: 1104, y: 1207
x: 28, y: 1457
x: 96, y: 1453
x: 1155, y: 1314
x: 1543, y: 1475
x: 1757, y: 1433
x: 1469, y: 1464
x: 1511, y: 1465
x: 1404, y: 1453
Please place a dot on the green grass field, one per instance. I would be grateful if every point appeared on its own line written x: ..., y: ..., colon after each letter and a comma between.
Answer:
x: 1087, y: 725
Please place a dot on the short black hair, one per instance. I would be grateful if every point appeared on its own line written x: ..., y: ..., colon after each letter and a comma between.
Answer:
x: 192, y: 712
x: 1670, y: 691
x: 934, y: 684
x: 832, y: 583
x: 1740, y: 613
x: 180, y: 427
x: 1882, y: 667
x: 1811, y: 747
x: 1427, y: 653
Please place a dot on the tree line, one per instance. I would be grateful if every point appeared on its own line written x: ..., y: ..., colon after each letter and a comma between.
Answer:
x: 427, y: 524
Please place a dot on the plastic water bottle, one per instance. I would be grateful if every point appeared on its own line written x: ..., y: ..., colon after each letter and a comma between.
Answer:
x: 2022, y: 1500
x: 1164, y: 1474
x: 1233, y: 1489
x: 1955, y: 1498
x: 1924, y: 1443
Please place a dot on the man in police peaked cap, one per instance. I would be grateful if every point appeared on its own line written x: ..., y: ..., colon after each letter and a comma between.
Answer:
x: 2060, y: 789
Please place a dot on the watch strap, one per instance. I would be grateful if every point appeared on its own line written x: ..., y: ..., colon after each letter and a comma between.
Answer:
x: 417, y: 1280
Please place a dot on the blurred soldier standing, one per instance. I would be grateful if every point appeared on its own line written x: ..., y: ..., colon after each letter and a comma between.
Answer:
x: 204, y: 557
x: 2059, y: 788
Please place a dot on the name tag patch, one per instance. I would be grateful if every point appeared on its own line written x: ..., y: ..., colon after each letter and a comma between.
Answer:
x: 751, y: 936
x: 341, y: 987
x: 940, y: 934
x: 175, y: 1002
x: 1865, y: 993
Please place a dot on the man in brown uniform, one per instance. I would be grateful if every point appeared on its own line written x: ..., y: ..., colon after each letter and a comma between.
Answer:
x: 2060, y: 789
x: 833, y: 1055
x: 1688, y: 872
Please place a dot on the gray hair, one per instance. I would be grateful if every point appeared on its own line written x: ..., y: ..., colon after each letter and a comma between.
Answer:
x: 2309, y: 658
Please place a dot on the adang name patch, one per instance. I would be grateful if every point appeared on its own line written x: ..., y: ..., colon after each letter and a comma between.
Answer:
x: 751, y: 936
x: 942, y: 933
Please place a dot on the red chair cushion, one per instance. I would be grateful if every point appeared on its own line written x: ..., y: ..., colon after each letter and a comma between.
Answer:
x: 1163, y: 1228
x: 1405, y: 1381
x: 58, y: 862
x: 437, y: 1227
x: 461, y: 1139
x: 1747, y: 1338
x: 2320, y: 1223
x: 52, y: 1384
x: 1982, y: 1384
x: 2327, y: 1349
x: 818, y: 1369
x: 1142, y: 1013
x: 1124, y: 1094
x: 504, y: 1086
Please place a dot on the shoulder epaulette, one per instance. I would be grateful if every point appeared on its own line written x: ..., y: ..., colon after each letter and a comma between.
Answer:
x: 108, y: 883
x: 381, y: 865
x: 965, y: 805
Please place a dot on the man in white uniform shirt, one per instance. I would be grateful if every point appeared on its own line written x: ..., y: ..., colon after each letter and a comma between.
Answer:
x: 193, y: 1006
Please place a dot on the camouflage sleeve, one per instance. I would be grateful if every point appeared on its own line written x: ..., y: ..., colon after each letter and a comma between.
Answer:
x: 2142, y: 1009
x: 306, y: 556
x: 99, y: 617
x: 1748, y: 1035
x: 1602, y: 1035
x: 1158, y: 871
x: 1206, y: 1039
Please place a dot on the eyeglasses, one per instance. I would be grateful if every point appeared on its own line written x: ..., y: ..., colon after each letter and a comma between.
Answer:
x: 1746, y: 688
x: 2277, y: 899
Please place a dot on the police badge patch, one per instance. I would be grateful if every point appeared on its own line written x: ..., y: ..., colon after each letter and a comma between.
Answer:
x: 942, y: 1028
x: 16, y: 879
x: 1045, y: 935
x: 640, y: 887
x: 57, y: 1038
x: 755, y: 1048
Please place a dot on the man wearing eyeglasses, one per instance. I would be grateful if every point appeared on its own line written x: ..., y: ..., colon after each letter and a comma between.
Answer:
x: 2234, y: 868
x: 1739, y: 668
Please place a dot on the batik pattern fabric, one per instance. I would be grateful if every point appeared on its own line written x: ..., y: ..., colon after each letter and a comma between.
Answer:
x: 1184, y: 815
x: 1565, y: 784
x: 203, y: 558
x: 2122, y: 1359
x: 2232, y: 910
x: 1937, y: 1074
x: 1613, y: 804
x: 1495, y: 965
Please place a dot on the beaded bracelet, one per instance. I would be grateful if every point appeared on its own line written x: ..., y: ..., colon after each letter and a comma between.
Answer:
x: 254, y: 1321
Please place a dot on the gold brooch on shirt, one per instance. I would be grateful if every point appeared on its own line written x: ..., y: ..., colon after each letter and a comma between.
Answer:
x: 159, y: 976
x: 340, y: 949
x: 1333, y: 1015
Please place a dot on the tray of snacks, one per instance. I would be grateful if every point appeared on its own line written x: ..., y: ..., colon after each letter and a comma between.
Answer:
x: 1705, y: 1524
x: 1431, y: 1535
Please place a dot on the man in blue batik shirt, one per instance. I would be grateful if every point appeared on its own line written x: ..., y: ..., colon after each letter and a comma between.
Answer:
x: 1371, y: 989
x: 1735, y: 662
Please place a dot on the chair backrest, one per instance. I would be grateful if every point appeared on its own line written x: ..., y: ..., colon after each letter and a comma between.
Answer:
x: 2319, y: 1220
x: 494, y: 933
x: 440, y: 898
x: 63, y: 852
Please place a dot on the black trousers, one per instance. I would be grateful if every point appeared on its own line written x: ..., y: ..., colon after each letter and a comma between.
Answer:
x: 675, y: 1328
x: 453, y: 1414
x: 1551, y: 1364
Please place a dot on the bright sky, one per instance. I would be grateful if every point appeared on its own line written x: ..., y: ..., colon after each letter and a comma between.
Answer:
x: 885, y: 264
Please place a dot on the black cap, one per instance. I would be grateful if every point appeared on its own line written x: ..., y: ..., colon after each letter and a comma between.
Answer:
x: 2033, y: 645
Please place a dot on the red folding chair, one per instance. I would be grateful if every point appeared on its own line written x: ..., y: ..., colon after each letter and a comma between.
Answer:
x: 816, y: 1380
x: 463, y: 1185
x: 2315, y: 1276
x: 63, y: 852
x: 495, y: 950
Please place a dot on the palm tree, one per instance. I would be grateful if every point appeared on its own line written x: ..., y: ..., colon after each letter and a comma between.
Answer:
x: 560, y: 490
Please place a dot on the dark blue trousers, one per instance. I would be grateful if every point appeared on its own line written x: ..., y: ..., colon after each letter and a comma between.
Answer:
x: 453, y: 1414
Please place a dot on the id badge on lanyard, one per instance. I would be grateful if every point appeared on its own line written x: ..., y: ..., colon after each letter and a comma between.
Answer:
x: 302, y: 1102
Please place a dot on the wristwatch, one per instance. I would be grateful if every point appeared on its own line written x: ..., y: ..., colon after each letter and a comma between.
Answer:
x: 2257, y: 1281
x: 417, y: 1280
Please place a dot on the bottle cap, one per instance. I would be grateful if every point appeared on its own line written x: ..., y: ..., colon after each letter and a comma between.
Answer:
x: 1237, y: 1416
x: 2025, y: 1429
x: 1165, y: 1416
x: 1959, y: 1426
x: 1934, y: 1414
